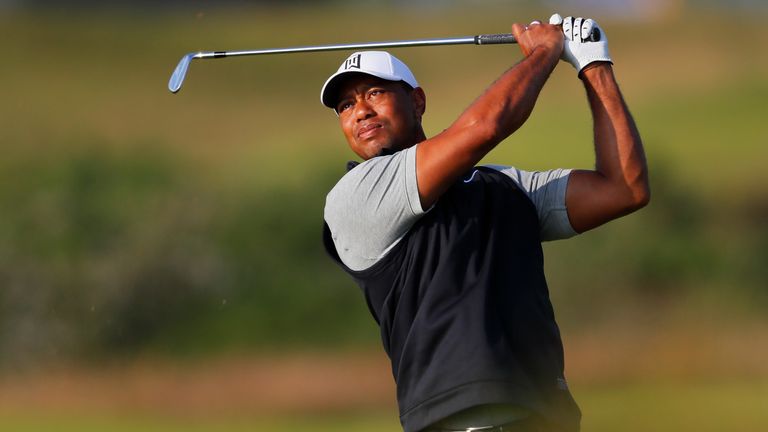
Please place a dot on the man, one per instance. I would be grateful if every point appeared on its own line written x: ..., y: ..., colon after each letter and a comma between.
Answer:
x: 449, y: 255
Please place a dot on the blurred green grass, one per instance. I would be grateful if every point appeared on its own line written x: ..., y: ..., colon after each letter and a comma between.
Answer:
x: 708, y: 406
x: 662, y: 407
x: 372, y: 422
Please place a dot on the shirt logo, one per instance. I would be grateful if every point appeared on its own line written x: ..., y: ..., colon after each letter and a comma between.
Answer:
x: 353, y: 62
x: 471, y: 177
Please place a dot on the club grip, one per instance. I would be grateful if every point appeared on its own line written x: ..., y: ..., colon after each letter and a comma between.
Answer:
x: 492, y: 39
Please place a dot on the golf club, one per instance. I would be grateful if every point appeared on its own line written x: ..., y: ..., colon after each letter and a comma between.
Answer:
x: 174, y: 85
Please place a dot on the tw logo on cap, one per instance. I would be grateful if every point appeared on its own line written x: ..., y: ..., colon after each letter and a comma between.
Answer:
x: 353, y: 62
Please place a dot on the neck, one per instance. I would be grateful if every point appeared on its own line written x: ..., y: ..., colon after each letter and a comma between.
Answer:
x: 420, y: 136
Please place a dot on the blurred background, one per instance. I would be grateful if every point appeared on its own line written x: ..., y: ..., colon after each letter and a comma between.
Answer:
x: 160, y: 258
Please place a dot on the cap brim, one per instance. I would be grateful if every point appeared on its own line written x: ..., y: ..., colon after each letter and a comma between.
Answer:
x: 329, y: 92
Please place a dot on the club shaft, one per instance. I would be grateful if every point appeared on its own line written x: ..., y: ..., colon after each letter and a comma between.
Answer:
x: 486, y: 39
x: 467, y: 40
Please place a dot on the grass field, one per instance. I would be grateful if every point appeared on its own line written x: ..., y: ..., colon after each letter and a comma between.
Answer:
x: 626, y: 379
x: 663, y: 407
x: 670, y: 407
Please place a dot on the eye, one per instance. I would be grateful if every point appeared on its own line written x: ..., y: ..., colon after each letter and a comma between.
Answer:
x: 343, y: 106
x: 375, y: 92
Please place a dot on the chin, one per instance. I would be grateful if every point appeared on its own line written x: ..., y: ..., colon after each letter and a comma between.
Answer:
x: 371, y: 152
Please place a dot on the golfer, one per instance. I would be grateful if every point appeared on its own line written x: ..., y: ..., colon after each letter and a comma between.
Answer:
x: 448, y: 254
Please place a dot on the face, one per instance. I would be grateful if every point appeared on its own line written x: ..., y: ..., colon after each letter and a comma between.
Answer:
x: 378, y: 116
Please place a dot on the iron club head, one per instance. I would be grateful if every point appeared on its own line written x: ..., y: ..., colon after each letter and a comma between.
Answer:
x: 180, y: 72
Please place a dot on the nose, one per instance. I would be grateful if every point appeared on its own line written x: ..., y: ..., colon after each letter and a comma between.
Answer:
x: 363, y: 109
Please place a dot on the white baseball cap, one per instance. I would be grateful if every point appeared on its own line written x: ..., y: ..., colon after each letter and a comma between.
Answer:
x: 380, y: 64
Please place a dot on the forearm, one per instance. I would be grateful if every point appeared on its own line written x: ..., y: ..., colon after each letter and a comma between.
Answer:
x: 508, y: 102
x: 619, y: 183
x: 619, y: 155
x: 493, y: 116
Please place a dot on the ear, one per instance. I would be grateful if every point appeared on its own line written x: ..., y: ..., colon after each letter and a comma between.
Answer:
x: 419, y: 99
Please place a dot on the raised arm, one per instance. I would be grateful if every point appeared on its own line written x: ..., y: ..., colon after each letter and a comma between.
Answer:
x: 619, y: 183
x: 498, y: 112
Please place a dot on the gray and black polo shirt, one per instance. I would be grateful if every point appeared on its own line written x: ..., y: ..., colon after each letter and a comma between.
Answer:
x: 458, y: 290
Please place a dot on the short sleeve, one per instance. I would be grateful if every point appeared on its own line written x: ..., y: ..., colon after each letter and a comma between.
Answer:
x: 372, y: 208
x: 546, y: 189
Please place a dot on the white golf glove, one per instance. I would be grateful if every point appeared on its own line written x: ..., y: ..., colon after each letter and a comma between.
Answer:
x: 585, y: 41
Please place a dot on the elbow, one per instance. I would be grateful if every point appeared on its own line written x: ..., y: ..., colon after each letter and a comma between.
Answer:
x: 481, y: 134
x: 642, y: 190
x: 493, y: 124
x: 642, y: 199
x: 639, y: 197
x: 637, y: 190
x: 630, y: 198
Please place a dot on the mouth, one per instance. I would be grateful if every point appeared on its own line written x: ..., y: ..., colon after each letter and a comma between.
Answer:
x: 368, y: 130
